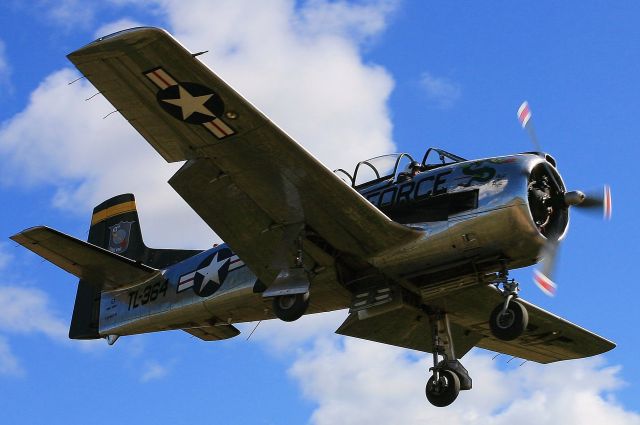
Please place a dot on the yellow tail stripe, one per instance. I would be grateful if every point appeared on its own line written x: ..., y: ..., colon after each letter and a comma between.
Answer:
x: 109, y: 212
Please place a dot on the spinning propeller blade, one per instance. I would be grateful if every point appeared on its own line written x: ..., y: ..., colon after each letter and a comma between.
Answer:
x: 545, y: 284
x: 598, y: 200
x: 594, y: 200
x: 543, y: 278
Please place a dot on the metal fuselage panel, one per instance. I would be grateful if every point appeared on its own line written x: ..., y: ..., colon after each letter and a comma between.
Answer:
x: 485, y: 216
x: 474, y: 212
x: 213, y: 285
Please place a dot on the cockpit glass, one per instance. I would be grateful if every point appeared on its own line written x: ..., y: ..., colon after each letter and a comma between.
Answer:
x: 387, y: 168
x: 378, y: 168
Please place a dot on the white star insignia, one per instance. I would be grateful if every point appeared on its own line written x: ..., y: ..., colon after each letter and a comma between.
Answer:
x: 210, y: 273
x: 190, y: 104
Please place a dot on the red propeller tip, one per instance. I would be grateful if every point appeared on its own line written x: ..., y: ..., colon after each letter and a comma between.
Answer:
x: 524, y: 114
x: 607, y: 202
x: 545, y: 284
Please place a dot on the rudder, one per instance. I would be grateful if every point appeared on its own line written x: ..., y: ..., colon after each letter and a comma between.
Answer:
x: 115, y: 226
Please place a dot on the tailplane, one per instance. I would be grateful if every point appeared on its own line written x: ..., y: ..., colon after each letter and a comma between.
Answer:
x: 115, y: 227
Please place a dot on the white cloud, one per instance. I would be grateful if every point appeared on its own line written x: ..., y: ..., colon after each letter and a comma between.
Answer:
x: 119, y: 25
x: 443, y: 92
x: 313, y: 83
x: 26, y: 310
x: 359, y: 382
x: 9, y: 364
x: 69, y: 13
x: 5, y: 257
x: 88, y: 159
x: 356, y: 20
x: 284, y: 337
x: 153, y: 371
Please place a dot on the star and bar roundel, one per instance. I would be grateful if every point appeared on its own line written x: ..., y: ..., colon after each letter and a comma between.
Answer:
x: 190, y: 102
x: 210, y: 273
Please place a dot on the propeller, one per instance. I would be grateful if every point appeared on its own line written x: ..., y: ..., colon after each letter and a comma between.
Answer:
x: 595, y: 200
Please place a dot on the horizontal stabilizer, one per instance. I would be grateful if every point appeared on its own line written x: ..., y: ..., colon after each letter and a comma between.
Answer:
x: 95, y: 265
x: 214, y: 333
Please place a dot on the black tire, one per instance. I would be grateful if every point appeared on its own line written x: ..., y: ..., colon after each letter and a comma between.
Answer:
x: 443, y: 392
x: 290, y: 308
x: 511, y: 324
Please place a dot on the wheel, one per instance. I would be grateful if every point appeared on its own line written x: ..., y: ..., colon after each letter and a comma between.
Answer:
x: 511, y: 324
x: 290, y: 307
x: 445, y: 390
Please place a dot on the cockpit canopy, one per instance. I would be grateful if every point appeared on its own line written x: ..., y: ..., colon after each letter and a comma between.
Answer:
x: 390, y: 167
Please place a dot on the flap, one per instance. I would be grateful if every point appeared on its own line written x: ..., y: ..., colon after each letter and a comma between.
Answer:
x: 406, y: 327
x: 214, y: 333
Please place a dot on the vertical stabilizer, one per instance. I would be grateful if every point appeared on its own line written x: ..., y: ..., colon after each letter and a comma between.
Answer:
x: 114, y: 226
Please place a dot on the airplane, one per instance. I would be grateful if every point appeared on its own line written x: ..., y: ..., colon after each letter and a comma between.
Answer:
x: 418, y: 251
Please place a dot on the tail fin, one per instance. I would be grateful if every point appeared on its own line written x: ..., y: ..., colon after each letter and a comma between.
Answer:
x: 115, y: 226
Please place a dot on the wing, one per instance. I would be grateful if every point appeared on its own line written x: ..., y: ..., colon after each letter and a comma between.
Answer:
x: 96, y: 265
x: 244, y: 176
x: 407, y: 327
x: 548, y: 338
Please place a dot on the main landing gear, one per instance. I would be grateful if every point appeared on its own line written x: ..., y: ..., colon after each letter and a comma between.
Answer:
x: 290, y: 308
x: 510, y: 318
x: 508, y: 321
x: 290, y: 290
x: 448, y: 375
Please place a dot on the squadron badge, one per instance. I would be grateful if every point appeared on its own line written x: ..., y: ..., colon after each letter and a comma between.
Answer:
x: 119, y: 236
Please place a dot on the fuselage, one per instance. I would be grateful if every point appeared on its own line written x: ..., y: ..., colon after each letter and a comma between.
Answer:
x: 475, y: 216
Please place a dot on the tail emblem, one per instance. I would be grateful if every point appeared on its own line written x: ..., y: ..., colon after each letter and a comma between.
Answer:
x: 119, y: 236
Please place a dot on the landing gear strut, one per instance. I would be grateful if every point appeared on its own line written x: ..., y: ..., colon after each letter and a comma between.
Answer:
x: 510, y: 318
x: 290, y: 290
x: 448, y: 375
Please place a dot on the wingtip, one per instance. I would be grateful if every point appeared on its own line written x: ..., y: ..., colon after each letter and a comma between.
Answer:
x: 21, y: 233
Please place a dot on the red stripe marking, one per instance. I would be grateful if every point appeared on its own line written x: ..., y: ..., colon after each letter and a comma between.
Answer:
x: 219, y: 128
x: 160, y: 77
x: 185, y: 281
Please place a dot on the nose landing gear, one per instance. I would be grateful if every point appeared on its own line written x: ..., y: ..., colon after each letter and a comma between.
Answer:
x: 448, y: 375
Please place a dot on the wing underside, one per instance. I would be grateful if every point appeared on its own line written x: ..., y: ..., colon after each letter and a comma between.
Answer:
x: 547, y: 339
x: 244, y: 176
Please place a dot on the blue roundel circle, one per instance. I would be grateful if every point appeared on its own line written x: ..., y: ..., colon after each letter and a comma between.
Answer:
x: 191, y: 102
x: 212, y: 272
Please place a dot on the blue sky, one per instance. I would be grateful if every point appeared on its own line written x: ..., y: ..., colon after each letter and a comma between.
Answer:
x: 388, y: 76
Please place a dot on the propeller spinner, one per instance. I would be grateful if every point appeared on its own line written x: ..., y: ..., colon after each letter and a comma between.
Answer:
x: 599, y: 200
